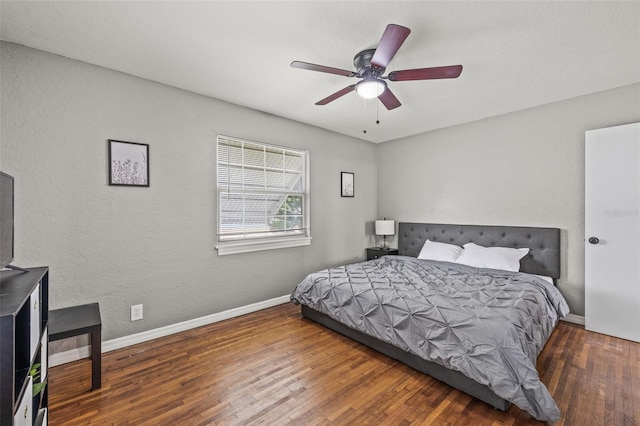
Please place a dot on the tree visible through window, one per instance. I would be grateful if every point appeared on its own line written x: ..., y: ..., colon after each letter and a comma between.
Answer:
x: 262, y: 191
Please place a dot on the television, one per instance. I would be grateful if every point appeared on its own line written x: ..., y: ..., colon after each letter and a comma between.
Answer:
x: 6, y: 219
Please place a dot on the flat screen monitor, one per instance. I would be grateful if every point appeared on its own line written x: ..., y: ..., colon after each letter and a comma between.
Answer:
x: 6, y: 219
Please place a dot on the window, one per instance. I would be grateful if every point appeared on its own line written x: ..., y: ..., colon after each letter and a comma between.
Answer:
x: 263, y: 199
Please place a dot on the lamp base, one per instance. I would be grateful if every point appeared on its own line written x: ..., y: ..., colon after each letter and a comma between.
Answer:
x: 385, y: 245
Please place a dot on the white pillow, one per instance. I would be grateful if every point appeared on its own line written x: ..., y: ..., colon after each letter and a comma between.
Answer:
x: 547, y: 279
x: 507, y: 259
x: 443, y: 252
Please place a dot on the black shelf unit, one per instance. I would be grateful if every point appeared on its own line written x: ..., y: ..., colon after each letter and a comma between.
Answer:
x: 24, y: 316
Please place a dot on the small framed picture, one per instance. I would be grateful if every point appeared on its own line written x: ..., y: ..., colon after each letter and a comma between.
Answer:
x: 128, y: 163
x: 346, y: 184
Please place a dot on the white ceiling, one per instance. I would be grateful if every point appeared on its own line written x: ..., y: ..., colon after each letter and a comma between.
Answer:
x: 515, y: 54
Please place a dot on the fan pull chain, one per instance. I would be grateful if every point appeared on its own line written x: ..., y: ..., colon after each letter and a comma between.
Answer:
x: 377, y: 113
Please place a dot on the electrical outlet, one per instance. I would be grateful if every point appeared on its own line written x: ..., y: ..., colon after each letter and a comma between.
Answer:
x: 136, y: 312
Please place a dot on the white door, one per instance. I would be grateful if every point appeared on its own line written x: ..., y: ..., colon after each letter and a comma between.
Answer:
x: 612, y: 226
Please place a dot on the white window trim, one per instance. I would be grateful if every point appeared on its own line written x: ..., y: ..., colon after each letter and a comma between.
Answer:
x: 225, y: 248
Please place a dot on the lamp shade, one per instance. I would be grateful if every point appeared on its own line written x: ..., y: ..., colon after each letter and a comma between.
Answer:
x: 385, y: 227
x: 370, y: 88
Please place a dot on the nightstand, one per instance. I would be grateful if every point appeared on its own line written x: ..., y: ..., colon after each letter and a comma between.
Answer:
x: 376, y: 252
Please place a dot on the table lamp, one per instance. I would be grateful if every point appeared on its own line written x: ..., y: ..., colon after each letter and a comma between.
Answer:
x: 385, y: 227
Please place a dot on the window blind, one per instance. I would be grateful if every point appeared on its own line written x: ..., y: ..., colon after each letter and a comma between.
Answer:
x: 261, y: 190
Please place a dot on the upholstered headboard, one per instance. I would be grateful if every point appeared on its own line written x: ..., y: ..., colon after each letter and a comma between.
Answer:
x: 544, y: 243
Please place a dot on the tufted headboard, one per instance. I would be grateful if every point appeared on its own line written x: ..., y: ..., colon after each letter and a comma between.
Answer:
x: 544, y: 243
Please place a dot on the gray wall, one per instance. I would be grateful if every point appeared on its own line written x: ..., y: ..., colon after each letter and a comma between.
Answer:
x: 120, y: 245
x: 524, y: 168
x: 124, y: 246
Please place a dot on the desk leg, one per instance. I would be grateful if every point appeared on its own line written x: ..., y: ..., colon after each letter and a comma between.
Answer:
x: 96, y: 359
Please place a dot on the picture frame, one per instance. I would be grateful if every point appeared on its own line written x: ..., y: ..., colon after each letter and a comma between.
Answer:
x: 347, y: 184
x: 128, y: 163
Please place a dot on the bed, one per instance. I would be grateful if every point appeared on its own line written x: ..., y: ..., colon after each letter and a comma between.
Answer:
x: 479, y: 330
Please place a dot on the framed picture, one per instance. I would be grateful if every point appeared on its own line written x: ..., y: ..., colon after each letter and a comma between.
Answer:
x: 128, y: 163
x: 346, y: 184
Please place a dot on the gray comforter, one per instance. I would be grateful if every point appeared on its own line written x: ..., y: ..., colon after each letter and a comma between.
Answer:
x: 489, y: 325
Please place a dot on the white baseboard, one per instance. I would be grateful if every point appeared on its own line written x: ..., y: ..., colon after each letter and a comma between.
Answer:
x: 573, y: 319
x: 69, y: 356
x: 133, y: 339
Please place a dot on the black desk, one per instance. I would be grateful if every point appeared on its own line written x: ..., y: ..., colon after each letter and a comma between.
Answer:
x: 75, y: 321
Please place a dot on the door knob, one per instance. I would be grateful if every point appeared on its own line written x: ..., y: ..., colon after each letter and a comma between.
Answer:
x: 594, y: 240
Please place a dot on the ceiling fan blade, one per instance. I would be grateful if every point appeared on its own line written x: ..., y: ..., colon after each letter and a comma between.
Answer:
x: 392, y: 39
x: 389, y: 100
x: 321, y: 68
x: 452, y: 71
x: 336, y: 95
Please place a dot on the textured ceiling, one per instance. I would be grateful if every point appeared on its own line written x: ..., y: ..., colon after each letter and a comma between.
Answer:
x: 516, y: 55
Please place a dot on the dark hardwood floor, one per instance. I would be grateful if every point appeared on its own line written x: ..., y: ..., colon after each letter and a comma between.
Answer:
x: 275, y: 368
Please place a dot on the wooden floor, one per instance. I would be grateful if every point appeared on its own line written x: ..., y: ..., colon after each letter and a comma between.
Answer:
x: 275, y: 368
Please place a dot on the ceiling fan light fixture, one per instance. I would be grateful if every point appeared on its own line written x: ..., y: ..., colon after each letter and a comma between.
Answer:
x: 371, y: 88
x: 371, y: 64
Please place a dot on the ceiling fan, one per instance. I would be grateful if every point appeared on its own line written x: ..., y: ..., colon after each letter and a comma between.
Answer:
x: 370, y: 66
